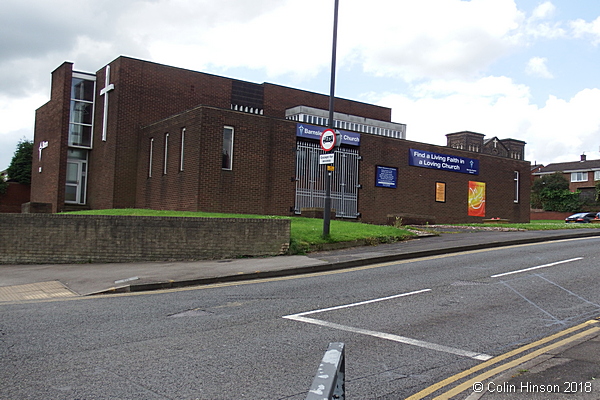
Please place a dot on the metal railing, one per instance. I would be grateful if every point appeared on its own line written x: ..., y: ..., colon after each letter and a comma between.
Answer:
x: 310, y: 179
x: 330, y: 381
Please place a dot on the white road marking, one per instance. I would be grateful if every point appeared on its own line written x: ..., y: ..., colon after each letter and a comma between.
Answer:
x: 362, y: 302
x: 395, y: 338
x: 382, y: 335
x: 538, y: 267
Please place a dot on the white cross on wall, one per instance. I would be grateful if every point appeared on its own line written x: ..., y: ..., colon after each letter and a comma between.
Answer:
x: 43, y: 145
x: 104, y: 92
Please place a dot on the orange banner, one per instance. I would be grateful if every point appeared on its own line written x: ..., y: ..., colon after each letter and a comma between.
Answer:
x: 476, y: 199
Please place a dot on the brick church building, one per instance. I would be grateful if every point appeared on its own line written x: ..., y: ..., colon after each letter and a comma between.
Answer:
x: 137, y: 134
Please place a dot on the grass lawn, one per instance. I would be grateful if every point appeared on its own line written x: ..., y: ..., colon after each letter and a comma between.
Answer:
x: 305, y: 232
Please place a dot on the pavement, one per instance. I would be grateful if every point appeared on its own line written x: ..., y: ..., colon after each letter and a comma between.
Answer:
x: 572, y: 357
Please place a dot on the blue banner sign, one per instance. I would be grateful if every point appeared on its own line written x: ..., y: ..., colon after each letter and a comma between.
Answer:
x: 444, y: 162
x: 386, y: 177
x: 314, y: 132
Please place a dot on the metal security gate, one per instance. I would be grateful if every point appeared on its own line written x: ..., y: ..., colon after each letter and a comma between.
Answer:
x: 310, y: 180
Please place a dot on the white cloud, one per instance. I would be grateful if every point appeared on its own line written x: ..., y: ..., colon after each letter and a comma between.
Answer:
x: 582, y: 29
x: 543, y: 11
x: 429, y: 38
x: 539, y: 26
x: 559, y: 131
x: 537, y: 67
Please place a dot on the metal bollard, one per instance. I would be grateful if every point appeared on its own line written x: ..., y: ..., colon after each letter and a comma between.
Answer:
x: 329, y: 382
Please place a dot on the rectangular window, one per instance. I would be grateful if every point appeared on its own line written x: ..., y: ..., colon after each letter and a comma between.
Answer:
x: 182, y: 149
x: 166, y: 153
x: 81, y: 111
x: 82, y: 89
x: 516, y: 179
x: 150, y: 158
x: 597, y: 175
x: 227, y: 148
x: 579, y: 176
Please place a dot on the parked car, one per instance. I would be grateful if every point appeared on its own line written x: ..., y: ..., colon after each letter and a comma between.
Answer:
x: 582, y: 217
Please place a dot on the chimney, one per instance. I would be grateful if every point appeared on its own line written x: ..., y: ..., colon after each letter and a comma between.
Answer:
x: 583, y: 158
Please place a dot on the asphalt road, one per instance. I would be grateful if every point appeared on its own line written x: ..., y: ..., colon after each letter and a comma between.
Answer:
x: 406, y: 325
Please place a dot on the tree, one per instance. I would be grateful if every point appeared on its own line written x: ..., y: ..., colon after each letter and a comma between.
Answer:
x: 551, y: 193
x: 19, y: 169
x: 3, y: 184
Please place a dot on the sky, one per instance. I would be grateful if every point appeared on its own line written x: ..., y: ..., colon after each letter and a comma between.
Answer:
x: 520, y: 69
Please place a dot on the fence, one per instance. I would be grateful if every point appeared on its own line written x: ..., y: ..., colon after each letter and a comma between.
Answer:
x: 310, y: 180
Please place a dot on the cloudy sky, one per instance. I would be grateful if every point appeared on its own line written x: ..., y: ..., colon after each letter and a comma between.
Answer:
x: 522, y: 69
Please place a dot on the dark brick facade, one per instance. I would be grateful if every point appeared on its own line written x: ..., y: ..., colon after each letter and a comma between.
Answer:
x: 151, y: 100
x: 415, y: 193
x: 48, y: 176
x: 260, y: 181
x: 16, y: 194
x: 51, y: 238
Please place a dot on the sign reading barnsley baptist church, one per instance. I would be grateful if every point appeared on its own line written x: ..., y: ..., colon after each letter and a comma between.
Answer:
x: 444, y: 162
x: 314, y: 132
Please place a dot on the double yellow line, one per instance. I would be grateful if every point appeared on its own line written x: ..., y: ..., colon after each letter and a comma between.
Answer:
x: 594, y: 329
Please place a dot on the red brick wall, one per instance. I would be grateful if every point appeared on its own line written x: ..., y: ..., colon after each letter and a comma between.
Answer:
x: 58, y: 238
x: 16, y: 194
x: 263, y: 164
x: 144, y: 93
x: 52, y: 125
x: 150, y: 100
x: 574, y: 186
x: 415, y: 193
x: 280, y: 98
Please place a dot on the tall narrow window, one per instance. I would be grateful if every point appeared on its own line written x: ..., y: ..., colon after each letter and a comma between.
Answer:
x: 82, y: 110
x: 227, y: 148
x: 150, y: 158
x: 516, y: 179
x: 166, y: 153
x: 182, y: 149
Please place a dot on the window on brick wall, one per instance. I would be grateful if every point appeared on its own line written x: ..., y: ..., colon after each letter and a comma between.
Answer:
x: 166, y: 153
x: 82, y: 110
x: 597, y: 175
x: 227, y: 148
x: 516, y: 183
x: 181, y: 152
x: 579, y: 176
x: 150, y: 158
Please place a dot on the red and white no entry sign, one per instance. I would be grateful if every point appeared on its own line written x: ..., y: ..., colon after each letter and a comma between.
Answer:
x: 328, y: 140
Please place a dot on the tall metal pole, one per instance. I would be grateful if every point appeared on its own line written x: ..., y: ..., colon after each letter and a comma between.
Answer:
x: 327, y: 208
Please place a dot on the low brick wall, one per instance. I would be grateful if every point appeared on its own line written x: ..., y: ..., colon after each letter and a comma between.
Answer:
x: 54, y: 238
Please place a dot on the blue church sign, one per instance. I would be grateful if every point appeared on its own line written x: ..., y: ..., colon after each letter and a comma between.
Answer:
x: 444, y: 162
x: 387, y: 177
x: 314, y: 132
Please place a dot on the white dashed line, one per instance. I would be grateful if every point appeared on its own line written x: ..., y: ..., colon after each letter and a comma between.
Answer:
x: 538, y: 267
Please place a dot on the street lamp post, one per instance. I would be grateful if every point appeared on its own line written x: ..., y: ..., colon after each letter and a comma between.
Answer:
x: 327, y: 208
